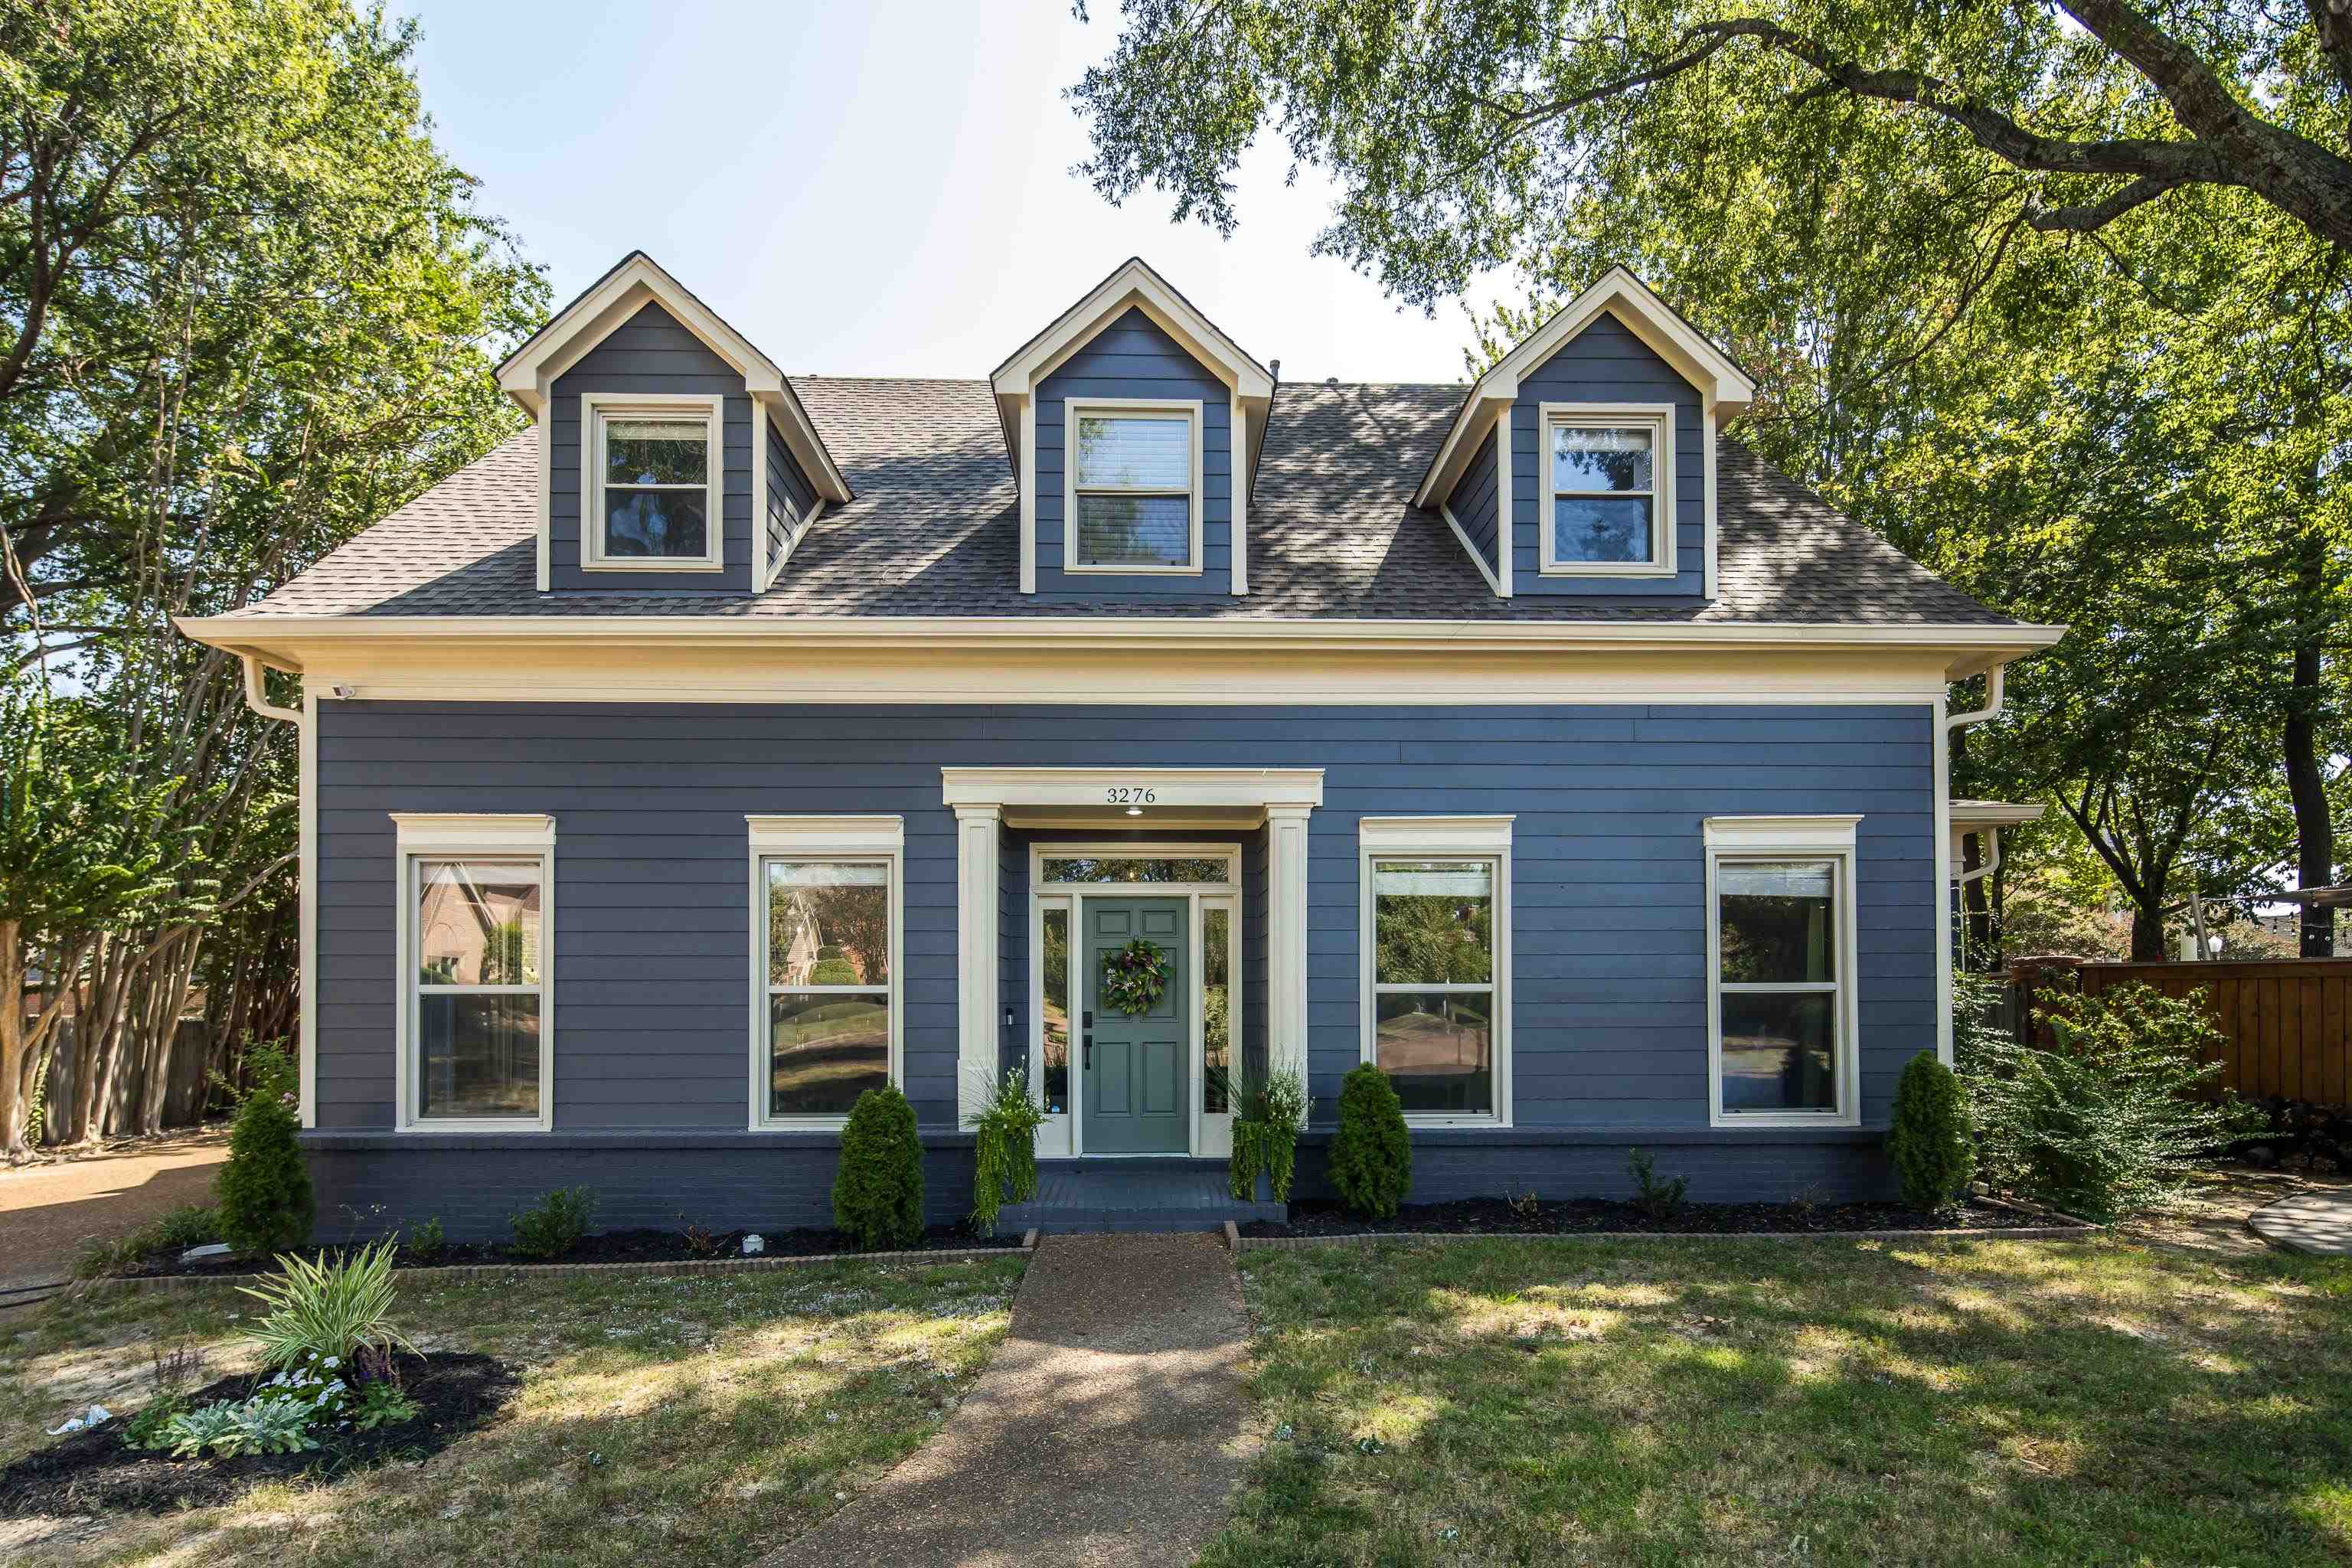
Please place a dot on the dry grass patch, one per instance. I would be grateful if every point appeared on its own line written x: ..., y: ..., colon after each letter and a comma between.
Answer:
x: 2163, y: 1396
x: 686, y: 1421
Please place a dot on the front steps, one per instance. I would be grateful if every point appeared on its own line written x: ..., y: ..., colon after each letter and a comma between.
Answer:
x: 1133, y: 1194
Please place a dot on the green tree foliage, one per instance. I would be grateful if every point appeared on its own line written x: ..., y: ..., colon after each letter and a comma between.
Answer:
x: 252, y: 308
x: 2110, y: 1117
x: 877, y: 1192
x: 1930, y: 1140
x: 266, y: 1203
x: 2086, y: 393
x: 1371, y: 1154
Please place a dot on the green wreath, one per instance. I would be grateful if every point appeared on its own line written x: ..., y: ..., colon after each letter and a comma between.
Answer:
x: 1134, y: 977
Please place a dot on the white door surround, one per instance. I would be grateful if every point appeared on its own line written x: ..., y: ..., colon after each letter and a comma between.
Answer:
x: 1064, y: 1136
x: 1129, y: 797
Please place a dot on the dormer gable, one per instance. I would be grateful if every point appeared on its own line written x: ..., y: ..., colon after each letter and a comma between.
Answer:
x: 1132, y: 424
x: 1583, y: 462
x: 674, y: 456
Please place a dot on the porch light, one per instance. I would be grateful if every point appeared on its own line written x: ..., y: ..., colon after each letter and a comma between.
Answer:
x: 1135, y: 811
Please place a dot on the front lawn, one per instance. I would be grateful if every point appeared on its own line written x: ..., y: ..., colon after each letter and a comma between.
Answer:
x: 2170, y: 1395
x: 688, y: 1421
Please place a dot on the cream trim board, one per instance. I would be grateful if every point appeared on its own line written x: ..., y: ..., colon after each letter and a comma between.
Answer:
x: 1502, y: 545
x: 980, y: 885
x: 544, y: 419
x: 1946, y: 893
x: 1238, y: 418
x: 595, y: 408
x: 1143, y: 785
x: 760, y: 423
x: 1659, y: 419
x: 1830, y: 839
x: 1028, y: 488
x: 1133, y: 283
x: 1707, y: 496
x: 1169, y: 408
x: 858, y: 839
x: 1507, y: 517
x: 508, y: 839
x: 306, y: 935
x: 1480, y: 838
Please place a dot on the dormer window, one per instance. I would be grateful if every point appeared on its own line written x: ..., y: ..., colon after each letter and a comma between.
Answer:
x: 1608, y: 490
x: 651, y: 483
x: 1134, y: 486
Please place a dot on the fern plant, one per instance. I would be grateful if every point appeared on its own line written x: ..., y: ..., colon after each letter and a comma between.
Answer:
x: 1004, y: 1149
x: 1268, y: 1112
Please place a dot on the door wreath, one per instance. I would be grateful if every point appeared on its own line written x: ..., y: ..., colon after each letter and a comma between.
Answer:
x: 1134, y: 977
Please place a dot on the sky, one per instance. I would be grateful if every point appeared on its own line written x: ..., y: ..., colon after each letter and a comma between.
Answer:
x: 871, y: 190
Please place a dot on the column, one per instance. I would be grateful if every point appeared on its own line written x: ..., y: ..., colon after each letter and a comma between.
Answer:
x: 1286, y: 939
x: 976, y: 954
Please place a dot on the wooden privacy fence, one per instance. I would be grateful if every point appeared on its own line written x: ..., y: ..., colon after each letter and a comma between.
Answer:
x: 2285, y: 1020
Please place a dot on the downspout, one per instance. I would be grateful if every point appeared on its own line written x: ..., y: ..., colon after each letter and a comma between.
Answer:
x: 1992, y: 857
x: 256, y: 696
x: 1994, y: 682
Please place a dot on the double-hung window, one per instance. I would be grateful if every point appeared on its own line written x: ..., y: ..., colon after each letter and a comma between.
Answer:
x: 649, y: 483
x: 1780, y: 932
x: 1608, y: 490
x: 1437, y: 944
x: 827, y: 918
x: 476, y: 964
x: 1133, y: 491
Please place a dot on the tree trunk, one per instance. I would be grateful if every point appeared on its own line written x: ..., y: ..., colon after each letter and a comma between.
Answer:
x: 12, y: 1037
x: 2147, y: 928
x: 2307, y: 785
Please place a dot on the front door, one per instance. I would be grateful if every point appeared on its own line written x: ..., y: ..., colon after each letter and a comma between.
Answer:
x: 1135, y: 1064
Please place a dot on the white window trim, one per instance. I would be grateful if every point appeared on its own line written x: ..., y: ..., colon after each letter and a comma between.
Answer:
x: 1437, y: 838
x: 511, y: 838
x: 595, y: 408
x: 1212, y: 1134
x: 1778, y: 838
x: 862, y: 839
x: 1190, y: 411
x: 1660, y: 418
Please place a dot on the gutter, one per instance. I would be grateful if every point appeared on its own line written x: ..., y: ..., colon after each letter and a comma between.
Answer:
x: 256, y: 695
x: 1996, y: 689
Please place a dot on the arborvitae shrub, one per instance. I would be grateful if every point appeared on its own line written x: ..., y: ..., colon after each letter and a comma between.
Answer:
x: 877, y: 1196
x: 1931, y: 1142
x: 266, y: 1203
x: 1371, y: 1156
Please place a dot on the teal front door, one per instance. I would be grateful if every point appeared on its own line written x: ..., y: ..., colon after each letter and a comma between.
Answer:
x: 1135, y: 1064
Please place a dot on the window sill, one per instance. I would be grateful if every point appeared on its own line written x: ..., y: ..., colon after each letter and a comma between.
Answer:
x: 1427, y: 1118
x: 1783, y: 1119
x: 1133, y: 571
x: 655, y: 563
x: 1606, y: 569
x: 803, y: 1124
x: 498, y: 1127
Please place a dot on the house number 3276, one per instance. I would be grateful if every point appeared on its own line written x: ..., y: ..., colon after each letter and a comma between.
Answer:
x: 1119, y: 795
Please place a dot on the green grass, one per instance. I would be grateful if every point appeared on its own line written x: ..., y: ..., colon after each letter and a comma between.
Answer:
x: 191, y: 1224
x: 2126, y: 1401
x: 678, y: 1422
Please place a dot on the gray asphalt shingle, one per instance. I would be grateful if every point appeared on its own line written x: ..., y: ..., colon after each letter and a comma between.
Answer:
x: 935, y: 531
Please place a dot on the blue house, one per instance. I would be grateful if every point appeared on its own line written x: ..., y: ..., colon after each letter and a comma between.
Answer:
x: 730, y: 743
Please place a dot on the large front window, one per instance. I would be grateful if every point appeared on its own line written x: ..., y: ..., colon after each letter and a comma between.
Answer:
x: 1781, y: 968
x: 480, y: 967
x: 652, y: 490
x: 829, y: 994
x: 1134, y: 493
x: 1436, y: 940
x: 477, y: 969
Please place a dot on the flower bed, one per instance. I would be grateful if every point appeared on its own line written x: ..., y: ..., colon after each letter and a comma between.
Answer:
x: 609, y: 1247
x: 1480, y: 1217
x: 95, y: 1470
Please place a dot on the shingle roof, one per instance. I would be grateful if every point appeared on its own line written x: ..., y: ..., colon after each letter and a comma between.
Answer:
x: 935, y: 531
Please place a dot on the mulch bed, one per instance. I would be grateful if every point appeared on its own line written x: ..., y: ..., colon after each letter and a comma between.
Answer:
x: 1474, y: 1216
x: 619, y: 1246
x: 93, y: 1472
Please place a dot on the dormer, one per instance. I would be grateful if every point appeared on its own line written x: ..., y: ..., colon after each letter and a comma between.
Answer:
x: 674, y: 455
x: 1133, y: 425
x: 1583, y: 462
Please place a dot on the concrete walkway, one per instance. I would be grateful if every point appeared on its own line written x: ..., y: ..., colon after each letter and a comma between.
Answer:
x: 47, y: 1211
x: 2318, y: 1223
x: 1107, y: 1432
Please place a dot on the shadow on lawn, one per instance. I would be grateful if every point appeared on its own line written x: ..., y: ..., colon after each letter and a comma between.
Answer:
x: 2003, y: 1398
